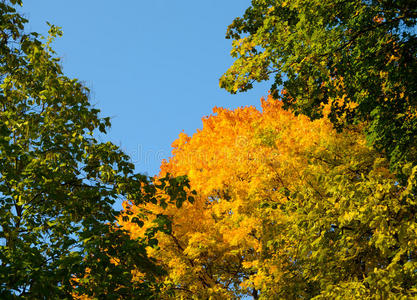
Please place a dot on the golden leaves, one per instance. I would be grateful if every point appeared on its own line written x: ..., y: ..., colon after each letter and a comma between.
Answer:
x: 257, y: 174
x: 238, y: 163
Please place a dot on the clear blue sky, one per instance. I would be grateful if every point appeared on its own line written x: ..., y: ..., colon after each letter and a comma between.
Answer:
x: 153, y: 66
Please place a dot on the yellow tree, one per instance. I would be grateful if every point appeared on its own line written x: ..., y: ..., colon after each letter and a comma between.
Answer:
x: 284, y: 207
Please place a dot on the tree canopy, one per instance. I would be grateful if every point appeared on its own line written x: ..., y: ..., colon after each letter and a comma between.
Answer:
x: 285, y: 208
x: 357, y: 56
x: 58, y: 184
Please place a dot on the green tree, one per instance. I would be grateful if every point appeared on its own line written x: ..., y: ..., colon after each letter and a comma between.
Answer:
x: 356, y: 56
x: 58, y: 236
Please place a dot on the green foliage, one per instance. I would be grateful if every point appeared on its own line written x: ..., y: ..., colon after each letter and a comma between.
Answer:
x: 350, y: 232
x: 357, y: 56
x: 58, y: 238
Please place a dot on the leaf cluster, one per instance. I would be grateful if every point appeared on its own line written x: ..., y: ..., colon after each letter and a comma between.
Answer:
x: 285, y: 208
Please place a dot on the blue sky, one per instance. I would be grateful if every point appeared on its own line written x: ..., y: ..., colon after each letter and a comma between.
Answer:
x: 153, y: 66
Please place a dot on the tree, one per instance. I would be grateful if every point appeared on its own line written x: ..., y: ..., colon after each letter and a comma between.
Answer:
x: 58, y: 236
x: 284, y: 208
x: 357, y: 56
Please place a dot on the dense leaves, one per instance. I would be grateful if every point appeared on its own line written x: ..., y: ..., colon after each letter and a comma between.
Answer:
x: 357, y: 56
x: 285, y: 208
x: 58, y: 183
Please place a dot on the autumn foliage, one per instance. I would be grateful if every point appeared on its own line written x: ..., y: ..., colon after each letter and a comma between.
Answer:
x: 285, y: 208
x: 314, y: 196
